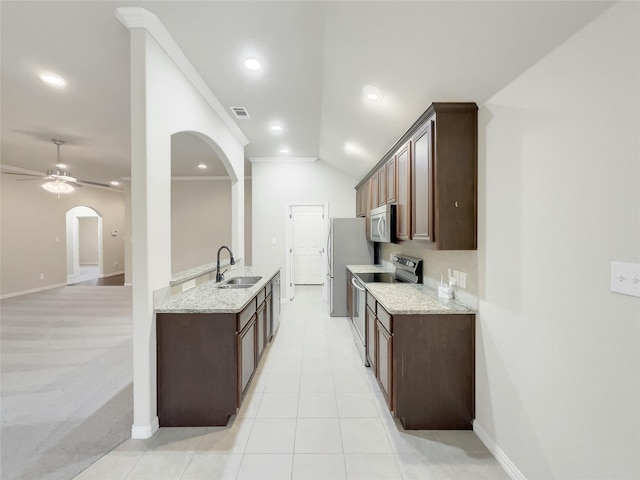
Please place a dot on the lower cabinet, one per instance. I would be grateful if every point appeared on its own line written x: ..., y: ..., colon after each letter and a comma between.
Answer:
x: 371, y: 337
x: 384, y: 354
x: 261, y: 320
x: 205, y: 361
x: 425, y: 366
x: 247, y: 354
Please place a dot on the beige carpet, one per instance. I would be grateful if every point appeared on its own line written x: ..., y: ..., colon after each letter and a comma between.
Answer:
x: 65, y: 380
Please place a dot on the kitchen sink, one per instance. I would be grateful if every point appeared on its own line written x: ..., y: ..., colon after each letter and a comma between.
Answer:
x: 240, y: 282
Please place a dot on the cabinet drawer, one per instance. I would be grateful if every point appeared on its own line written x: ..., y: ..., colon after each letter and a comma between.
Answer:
x: 245, y: 315
x: 384, y: 318
x: 261, y: 296
x: 371, y: 302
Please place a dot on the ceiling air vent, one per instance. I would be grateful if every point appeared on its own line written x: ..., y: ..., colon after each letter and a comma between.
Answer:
x: 240, y: 113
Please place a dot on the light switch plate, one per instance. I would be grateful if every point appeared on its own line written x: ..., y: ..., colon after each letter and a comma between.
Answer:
x: 625, y: 278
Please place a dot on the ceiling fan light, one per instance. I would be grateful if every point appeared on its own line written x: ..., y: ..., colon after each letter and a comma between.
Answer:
x: 57, y: 186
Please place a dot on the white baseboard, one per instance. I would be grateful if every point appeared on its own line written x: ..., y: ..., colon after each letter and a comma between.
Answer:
x: 497, y: 452
x: 128, y: 284
x: 112, y: 274
x: 145, y: 431
x: 33, y: 290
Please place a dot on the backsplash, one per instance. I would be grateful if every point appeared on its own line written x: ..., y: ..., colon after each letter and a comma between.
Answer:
x: 437, y: 262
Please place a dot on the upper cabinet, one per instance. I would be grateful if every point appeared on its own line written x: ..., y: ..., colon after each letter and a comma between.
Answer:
x: 430, y: 174
x: 403, y: 195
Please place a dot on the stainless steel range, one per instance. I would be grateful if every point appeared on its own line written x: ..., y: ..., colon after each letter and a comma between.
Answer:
x: 407, y: 270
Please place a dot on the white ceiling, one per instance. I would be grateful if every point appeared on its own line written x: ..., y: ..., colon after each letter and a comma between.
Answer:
x: 317, y: 56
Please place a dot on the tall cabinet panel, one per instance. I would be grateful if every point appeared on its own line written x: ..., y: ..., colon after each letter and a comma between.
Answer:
x: 403, y: 202
x: 422, y: 183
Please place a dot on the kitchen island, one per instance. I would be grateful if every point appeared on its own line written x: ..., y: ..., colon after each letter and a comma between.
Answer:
x: 422, y: 352
x: 209, y: 343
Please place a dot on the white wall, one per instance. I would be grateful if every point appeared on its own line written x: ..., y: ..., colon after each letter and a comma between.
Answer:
x: 33, y: 233
x: 275, y: 185
x: 167, y: 97
x: 558, y: 354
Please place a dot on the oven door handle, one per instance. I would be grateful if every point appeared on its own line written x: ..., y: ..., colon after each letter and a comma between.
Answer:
x: 355, y: 284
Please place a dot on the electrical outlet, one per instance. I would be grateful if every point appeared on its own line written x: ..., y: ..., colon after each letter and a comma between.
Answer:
x: 274, y: 240
x: 456, y: 276
x: 42, y: 276
x: 625, y: 278
x: 463, y: 280
x: 115, y: 264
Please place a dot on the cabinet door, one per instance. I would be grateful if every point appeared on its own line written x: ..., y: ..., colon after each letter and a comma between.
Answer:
x: 384, y: 346
x: 391, y: 179
x: 373, y: 190
x: 367, y: 213
x: 422, y: 213
x: 269, y: 320
x: 371, y: 338
x: 261, y: 324
x: 403, y: 202
x: 382, y: 186
x: 361, y: 200
x: 246, y: 355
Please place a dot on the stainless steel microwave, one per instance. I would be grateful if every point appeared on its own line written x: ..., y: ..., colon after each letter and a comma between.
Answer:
x: 383, y: 224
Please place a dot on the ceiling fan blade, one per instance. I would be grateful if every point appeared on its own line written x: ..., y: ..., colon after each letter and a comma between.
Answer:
x: 29, y: 179
x: 97, y: 184
x: 24, y: 174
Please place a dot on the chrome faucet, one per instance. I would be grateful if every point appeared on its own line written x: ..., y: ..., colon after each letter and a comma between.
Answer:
x: 220, y: 276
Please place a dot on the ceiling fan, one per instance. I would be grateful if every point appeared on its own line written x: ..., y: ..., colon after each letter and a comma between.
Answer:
x: 58, y: 180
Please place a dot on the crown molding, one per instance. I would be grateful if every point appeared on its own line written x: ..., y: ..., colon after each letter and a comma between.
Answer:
x: 282, y: 159
x: 137, y: 17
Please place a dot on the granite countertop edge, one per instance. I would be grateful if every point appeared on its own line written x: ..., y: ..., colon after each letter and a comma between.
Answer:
x: 407, y: 298
x: 196, y: 272
x: 208, y: 298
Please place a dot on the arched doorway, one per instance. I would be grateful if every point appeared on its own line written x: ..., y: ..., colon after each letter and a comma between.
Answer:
x: 84, y: 244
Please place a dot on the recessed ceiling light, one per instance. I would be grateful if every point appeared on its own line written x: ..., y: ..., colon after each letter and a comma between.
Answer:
x: 61, y: 166
x: 371, y: 93
x: 252, y: 64
x: 202, y: 166
x: 115, y: 183
x: 284, y: 150
x: 53, y: 79
x: 276, y: 128
x: 350, y: 146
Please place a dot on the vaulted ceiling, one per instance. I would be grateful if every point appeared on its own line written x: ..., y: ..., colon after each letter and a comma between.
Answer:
x: 316, y: 58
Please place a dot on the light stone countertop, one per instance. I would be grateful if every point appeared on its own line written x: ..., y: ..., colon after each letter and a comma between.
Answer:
x: 408, y: 298
x: 207, y: 298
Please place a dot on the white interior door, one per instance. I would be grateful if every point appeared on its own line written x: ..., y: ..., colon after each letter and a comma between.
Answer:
x: 308, y: 243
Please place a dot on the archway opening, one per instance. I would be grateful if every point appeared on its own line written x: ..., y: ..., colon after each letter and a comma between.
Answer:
x: 84, y: 244
x: 201, y: 203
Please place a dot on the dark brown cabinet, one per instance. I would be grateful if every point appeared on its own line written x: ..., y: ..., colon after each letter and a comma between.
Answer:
x: 384, y: 355
x: 382, y: 186
x: 247, y: 354
x: 391, y: 179
x: 425, y: 366
x: 371, y: 337
x: 431, y: 176
x: 362, y: 196
x: 373, y: 191
x: 422, y: 183
x: 261, y: 326
x: 403, y: 200
x: 205, y: 361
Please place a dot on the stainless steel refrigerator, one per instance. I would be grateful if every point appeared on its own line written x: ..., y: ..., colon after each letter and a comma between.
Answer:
x: 347, y: 245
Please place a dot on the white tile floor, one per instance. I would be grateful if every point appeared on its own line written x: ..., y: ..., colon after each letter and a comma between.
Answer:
x: 313, y: 412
